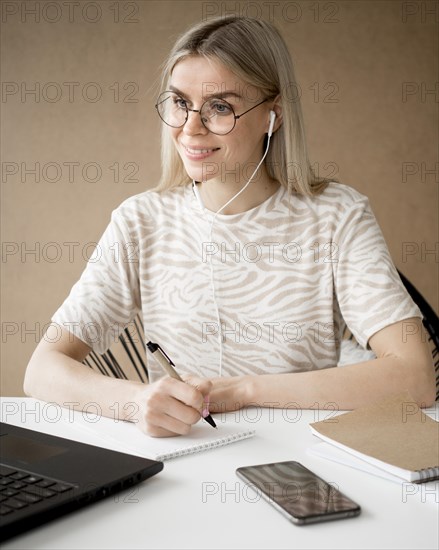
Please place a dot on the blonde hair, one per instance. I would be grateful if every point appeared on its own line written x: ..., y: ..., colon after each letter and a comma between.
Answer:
x: 255, y: 51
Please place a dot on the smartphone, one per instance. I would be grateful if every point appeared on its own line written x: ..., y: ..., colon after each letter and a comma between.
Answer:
x: 299, y: 494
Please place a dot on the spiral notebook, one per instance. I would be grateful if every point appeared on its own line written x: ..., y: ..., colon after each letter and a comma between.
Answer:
x: 394, y: 435
x: 123, y: 436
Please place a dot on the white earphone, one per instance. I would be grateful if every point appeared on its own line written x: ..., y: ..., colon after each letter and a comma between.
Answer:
x: 270, y: 132
x: 200, y: 202
x: 272, y: 119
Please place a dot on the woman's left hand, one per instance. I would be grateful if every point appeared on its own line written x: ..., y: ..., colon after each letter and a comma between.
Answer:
x: 230, y: 393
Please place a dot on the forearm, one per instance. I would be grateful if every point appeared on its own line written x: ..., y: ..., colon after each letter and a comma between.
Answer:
x: 164, y: 408
x: 401, y: 364
x: 348, y: 387
x: 55, y: 377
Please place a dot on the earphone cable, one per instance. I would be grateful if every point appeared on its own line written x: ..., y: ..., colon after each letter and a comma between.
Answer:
x: 212, y: 282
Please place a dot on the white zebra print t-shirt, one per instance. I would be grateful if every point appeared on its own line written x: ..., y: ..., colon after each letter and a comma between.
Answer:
x: 288, y: 275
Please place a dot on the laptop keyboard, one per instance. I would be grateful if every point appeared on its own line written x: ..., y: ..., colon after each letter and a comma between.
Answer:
x: 19, y: 489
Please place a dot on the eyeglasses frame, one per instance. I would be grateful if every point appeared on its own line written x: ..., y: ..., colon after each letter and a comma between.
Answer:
x: 235, y: 117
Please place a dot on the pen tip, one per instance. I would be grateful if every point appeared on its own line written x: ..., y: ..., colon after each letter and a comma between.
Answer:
x: 210, y: 421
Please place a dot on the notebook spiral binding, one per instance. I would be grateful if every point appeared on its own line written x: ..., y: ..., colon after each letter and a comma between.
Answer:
x: 206, y: 446
x: 428, y: 474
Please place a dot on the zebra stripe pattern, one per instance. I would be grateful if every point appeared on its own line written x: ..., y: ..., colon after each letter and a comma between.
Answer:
x: 289, y: 275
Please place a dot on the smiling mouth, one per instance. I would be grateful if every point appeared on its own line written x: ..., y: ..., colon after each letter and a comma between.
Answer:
x: 199, y: 151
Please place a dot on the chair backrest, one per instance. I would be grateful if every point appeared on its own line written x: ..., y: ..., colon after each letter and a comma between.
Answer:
x: 431, y: 323
x: 127, y: 359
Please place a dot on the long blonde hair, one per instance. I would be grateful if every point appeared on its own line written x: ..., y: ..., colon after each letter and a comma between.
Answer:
x: 255, y: 51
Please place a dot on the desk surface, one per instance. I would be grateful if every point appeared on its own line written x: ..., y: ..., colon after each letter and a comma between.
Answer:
x: 211, y: 508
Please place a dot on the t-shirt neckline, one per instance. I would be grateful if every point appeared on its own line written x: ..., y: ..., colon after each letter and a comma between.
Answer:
x: 267, y: 205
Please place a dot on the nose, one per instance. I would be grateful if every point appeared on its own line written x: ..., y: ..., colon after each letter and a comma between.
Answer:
x: 193, y: 124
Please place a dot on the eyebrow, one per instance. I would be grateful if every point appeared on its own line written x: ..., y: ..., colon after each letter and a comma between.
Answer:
x: 219, y: 95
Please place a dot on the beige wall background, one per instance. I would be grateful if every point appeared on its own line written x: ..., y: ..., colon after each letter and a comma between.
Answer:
x: 79, y: 132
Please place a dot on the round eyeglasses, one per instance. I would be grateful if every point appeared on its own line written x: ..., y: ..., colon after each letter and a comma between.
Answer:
x: 216, y: 114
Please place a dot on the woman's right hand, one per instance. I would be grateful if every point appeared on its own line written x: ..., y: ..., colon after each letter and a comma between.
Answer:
x: 170, y: 407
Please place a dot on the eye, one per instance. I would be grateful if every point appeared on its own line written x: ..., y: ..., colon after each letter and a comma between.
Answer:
x: 179, y: 102
x: 220, y: 108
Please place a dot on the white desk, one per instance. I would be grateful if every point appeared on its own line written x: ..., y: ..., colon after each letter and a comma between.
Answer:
x: 198, y: 502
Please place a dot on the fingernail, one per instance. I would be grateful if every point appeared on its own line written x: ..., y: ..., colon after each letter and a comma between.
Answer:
x: 205, y: 412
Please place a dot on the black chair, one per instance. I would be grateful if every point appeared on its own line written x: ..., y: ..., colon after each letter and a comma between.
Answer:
x: 129, y: 361
x: 431, y: 323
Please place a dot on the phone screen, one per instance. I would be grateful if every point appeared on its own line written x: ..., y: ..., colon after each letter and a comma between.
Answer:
x: 298, y: 493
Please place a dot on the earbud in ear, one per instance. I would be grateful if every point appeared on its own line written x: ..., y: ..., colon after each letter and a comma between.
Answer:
x: 272, y: 119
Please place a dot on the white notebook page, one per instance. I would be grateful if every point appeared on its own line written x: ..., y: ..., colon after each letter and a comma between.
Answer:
x: 126, y: 437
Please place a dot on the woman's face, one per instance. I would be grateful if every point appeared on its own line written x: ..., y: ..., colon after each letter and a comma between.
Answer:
x: 207, y: 156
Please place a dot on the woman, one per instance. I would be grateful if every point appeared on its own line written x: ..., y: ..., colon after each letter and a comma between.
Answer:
x: 245, y: 265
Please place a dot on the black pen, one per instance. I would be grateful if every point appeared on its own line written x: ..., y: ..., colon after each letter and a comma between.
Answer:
x: 168, y: 365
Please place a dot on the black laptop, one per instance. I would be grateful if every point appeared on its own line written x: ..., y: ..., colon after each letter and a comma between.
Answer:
x: 43, y: 477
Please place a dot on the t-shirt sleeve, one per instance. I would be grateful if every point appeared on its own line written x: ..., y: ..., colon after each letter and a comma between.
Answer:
x: 107, y: 295
x: 369, y: 290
